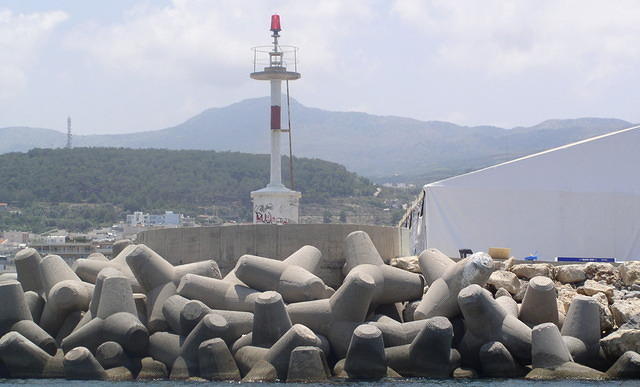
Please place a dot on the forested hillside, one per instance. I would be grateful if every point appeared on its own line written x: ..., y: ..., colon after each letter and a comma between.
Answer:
x: 41, y: 180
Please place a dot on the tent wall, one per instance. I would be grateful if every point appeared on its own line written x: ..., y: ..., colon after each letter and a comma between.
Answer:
x: 547, y: 223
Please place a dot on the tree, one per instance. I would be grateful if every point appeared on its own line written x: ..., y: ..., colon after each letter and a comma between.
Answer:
x: 326, y: 217
x: 343, y: 216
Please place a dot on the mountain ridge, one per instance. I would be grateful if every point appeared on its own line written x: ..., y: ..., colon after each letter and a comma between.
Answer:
x: 379, y: 147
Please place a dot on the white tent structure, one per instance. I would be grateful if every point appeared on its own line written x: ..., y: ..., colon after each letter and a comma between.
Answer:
x: 578, y: 200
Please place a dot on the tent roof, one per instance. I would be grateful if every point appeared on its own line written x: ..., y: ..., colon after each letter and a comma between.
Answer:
x: 605, y: 163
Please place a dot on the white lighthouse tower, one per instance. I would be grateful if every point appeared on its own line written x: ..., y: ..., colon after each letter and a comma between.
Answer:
x: 275, y: 204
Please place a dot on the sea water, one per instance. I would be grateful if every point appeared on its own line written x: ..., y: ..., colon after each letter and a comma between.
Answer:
x: 413, y: 382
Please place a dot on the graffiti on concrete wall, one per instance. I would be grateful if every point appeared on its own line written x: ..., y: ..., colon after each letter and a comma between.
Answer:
x: 264, y: 214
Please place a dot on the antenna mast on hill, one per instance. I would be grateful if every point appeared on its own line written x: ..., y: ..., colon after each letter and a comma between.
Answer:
x: 68, y: 133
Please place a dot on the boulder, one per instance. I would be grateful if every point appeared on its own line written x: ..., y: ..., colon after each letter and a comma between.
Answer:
x: 565, y: 296
x: 570, y: 274
x: 626, y: 367
x: 617, y: 343
x: 605, y: 272
x: 530, y: 270
x: 568, y: 370
x: 630, y: 272
x: 406, y: 263
x: 606, y: 318
x: 505, y: 279
x: 624, y: 310
x: 592, y: 287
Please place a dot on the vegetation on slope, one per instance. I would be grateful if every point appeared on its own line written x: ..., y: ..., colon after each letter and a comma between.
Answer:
x: 155, y: 179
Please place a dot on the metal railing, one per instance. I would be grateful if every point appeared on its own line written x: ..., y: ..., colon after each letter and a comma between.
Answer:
x: 265, y: 57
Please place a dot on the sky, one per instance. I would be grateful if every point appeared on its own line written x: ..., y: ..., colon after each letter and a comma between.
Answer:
x: 121, y: 66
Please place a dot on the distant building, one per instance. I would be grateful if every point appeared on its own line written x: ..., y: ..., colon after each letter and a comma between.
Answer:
x: 4, y: 207
x: 169, y: 218
x: 58, y: 245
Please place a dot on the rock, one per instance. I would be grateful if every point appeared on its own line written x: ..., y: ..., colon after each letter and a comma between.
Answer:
x: 569, y: 274
x: 409, y: 308
x: 592, y: 287
x: 465, y: 373
x: 626, y: 367
x: 617, y: 343
x: 508, y: 263
x: 506, y: 280
x: 565, y: 296
x: 606, y: 318
x: 523, y: 290
x: 501, y: 292
x: 152, y: 370
x: 624, y: 310
x: 630, y: 272
x: 602, y: 272
x: 407, y: 263
x: 568, y: 370
x: 530, y: 270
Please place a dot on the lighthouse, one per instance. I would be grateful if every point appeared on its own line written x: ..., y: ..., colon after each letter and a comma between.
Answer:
x: 275, y: 204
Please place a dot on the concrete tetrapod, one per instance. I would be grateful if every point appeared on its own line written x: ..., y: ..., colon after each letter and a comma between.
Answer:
x: 548, y: 350
x: 223, y: 324
x: 156, y: 277
x: 365, y: 357
x: 307, y: 257
x: 187, y: 364
x: 218, y: 294
x: 16, y: 316
x: 485, y: 321
x: 119, y: 245
x: 216, y: 361
x: 88, y: 269
x: 294, y: 283
x: 24, y: 359
x: 307, y: 365
x: 338, y: 316
x: 64, y: 293
x: 79, y: 363
x: 279, y: 354
x: 540, y: 302
x: 360, y: 250
x: 394, y: 332
x: 581, y: 331
x: 433, y: 263
x: 111, y: 355
x: 391, y: 284
x: 497, y: 362
x: 429, y: 354
x: 270, y: 322
x: 27, y: 263
x: 92, y: 312
x: 116, y: 320
x: 441, y: 299
x: 35, y: 302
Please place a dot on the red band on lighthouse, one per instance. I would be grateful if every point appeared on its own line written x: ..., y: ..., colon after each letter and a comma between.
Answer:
x: 275, y: 117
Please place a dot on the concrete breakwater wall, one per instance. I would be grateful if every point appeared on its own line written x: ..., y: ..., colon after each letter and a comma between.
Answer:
x: 225, y: 244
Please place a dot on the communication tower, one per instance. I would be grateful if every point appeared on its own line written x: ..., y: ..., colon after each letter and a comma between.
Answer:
x: 275, y: 204
x: 68, y: 133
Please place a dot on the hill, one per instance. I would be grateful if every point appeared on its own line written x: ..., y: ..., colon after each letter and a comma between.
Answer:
x: 156, y: 180
x: 380, y: 147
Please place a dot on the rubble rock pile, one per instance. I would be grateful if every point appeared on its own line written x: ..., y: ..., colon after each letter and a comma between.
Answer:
x: 138, y: 317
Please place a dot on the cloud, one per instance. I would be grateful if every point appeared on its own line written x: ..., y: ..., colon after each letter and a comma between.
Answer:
x: 195, y: 40
x: 592, y: 39
x: 21, y: 37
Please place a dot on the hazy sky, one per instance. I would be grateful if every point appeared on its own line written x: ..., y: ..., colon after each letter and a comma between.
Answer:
x: 123, y: 65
